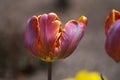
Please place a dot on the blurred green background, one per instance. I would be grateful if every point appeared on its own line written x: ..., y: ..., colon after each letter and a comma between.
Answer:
x: 17, y: 64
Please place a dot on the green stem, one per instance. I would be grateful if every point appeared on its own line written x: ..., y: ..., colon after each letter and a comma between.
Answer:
x: 49, y: 70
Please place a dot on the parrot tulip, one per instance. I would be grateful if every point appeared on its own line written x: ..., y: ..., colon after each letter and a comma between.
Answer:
x: 46, y: 39
x: 112, y: 31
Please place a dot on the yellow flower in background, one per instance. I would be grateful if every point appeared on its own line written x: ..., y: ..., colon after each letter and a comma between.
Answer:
x: 84, y: 75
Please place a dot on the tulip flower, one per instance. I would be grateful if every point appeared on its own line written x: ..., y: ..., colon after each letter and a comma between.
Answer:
x: 85, y: 75
x: 112, y: 31
x: 46, y: 39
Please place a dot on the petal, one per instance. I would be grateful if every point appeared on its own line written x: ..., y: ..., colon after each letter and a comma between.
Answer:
x: 49, y: 30
x: 69, y: 38
x: 113, y: 16
x: 113, y: 41
x: 31, y: 35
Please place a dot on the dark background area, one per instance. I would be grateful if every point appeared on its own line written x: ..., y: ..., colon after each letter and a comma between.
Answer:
x: 17, y: 64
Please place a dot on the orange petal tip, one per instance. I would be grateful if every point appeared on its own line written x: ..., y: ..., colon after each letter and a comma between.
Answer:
x: 83, y: 19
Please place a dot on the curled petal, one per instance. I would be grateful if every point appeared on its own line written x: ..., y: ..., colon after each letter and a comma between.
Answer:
x: 113, y: 41
x: 69, y: 38
x: 113, y: 16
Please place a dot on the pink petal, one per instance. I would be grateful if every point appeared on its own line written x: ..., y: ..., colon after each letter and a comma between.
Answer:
x: 49, y: 29
x: 70, y: 37
x: 31, y: 35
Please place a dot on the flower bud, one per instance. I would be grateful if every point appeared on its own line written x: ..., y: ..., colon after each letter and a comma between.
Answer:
x: 112, y: 29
